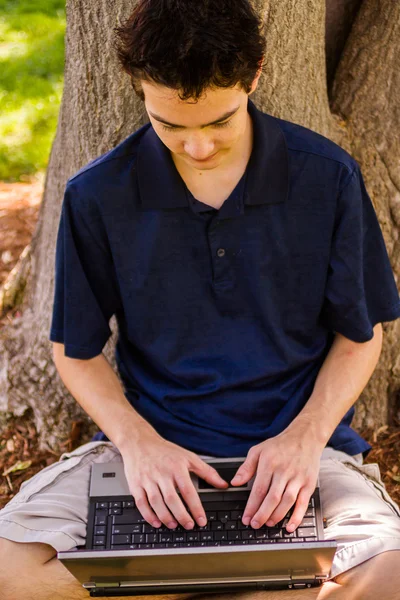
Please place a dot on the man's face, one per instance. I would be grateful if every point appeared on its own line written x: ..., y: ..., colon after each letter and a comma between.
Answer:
x: 188, y: 128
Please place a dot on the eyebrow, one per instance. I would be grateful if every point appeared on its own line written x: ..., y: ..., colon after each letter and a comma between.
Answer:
x: 223, y: 118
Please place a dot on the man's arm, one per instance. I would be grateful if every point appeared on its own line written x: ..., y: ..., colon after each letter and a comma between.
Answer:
x: 287, y: 465
x: 341, y: 379
x: 96, y: 387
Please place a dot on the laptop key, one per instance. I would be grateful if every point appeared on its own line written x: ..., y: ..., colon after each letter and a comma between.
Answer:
x: 223, y: 516
x: 234, y: 495
x: 128, y: 504
x: 288, y: 534
x: 211, y: 515
x: 121, y: 539
x: 139, y: 538
x: 115, y: 511
x: 226, y: 506
x: 115, y: 504
x: 231, y: 525
x: 135, y: 528
x: 100, y: 520
x: 306, y: 532
x: 274, y: 533
x: 236, y: 515
x: 261, y: 534
x: 99, y: 540
x: 248, y: 535
x: 100, y: 531
x: 101, y: 504
x: 211, y: 497
x: 234, y: 535
x: 307, y: 522
x: 128, y: 518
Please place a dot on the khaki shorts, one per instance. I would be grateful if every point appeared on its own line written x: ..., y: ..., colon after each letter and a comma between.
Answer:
x: 52, y: 506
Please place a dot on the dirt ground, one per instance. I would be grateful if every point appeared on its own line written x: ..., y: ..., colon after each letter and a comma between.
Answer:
x: 19, y: 456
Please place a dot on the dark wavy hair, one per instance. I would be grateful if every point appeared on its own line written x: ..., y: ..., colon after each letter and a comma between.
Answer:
x: 191, y: 45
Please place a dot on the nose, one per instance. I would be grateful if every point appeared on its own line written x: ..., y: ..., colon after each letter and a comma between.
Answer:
x: 199, y: 148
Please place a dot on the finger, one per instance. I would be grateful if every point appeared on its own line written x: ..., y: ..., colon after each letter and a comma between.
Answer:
x: 175, y: 504
x: 246, y: 470
x: 288, y: 499
x: 208, y: 473
x: 270, y: 503
x: 156, y: 501
x: 300, y: 508
x: 191, y: 498
x: 142, y: 503
x: 257, y: 495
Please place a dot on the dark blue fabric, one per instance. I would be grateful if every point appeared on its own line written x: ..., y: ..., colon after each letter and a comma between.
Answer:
x: 225, y: 316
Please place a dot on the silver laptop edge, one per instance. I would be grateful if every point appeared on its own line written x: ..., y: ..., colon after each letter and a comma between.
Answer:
x: 134, y: 570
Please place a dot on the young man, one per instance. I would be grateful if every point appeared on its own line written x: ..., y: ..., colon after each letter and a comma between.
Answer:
x: 245, y: 265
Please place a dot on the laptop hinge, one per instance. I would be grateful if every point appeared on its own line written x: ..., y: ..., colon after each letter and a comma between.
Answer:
x: 216, y: 581
x: 93, y: 584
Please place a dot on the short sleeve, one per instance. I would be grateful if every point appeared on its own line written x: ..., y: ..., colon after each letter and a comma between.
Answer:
x: 86, y: 293
x: 360, y: 288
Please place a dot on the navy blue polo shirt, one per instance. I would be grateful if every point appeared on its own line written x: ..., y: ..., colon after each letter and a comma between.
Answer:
x: 225, y: 316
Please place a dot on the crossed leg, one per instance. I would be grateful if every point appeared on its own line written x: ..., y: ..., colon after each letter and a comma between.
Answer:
x: 46, y: 578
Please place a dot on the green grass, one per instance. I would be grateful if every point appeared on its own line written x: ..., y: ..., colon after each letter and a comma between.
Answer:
x: 31, y: 83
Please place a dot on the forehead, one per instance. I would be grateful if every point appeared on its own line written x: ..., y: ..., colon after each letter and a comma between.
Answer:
x: 214, y: 103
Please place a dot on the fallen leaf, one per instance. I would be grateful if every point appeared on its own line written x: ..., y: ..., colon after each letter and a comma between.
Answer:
x: 10, y: 446
x: 19, y: 466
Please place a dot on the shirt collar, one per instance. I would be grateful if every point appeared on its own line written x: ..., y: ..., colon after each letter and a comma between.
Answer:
x: 265, y: 181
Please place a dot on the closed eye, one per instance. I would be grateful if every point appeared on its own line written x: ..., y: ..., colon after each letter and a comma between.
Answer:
x: 166, y: 128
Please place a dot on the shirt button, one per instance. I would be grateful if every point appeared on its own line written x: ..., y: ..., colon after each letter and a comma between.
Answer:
x: 221, y: 252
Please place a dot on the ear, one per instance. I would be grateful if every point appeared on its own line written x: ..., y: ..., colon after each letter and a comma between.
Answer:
x: 258, y: 75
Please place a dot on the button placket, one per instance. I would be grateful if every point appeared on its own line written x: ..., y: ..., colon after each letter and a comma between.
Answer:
x: 222, y: 269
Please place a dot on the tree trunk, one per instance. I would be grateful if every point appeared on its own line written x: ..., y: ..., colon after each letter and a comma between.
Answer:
x: 99, y: 110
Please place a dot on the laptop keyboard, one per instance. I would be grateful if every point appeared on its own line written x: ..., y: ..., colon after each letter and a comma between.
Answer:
x: 119, y: 525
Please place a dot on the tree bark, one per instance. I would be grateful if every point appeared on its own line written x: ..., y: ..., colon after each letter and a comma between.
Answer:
x: 99, y: 110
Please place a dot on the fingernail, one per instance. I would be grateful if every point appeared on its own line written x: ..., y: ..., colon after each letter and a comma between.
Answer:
x: 189, y: 525
x: 255, y: 524
x: 291, y: 527
x: 172, y: 524
x: 246, y: 520
x: 157, y: 523
x: 270, y: 523
x: 202, y: 521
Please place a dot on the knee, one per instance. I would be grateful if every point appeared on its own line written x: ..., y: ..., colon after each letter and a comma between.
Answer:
x: 370, y: 579
x: 13, y: 554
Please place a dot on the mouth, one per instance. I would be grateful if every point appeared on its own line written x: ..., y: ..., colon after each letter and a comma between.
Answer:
x: 205, y: 159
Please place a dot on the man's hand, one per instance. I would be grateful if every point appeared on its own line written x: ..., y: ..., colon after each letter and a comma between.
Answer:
x: 156, y: 470
x: 286, y: 470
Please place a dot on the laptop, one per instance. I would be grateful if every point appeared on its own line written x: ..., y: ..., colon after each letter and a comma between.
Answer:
x: 126, y: 556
